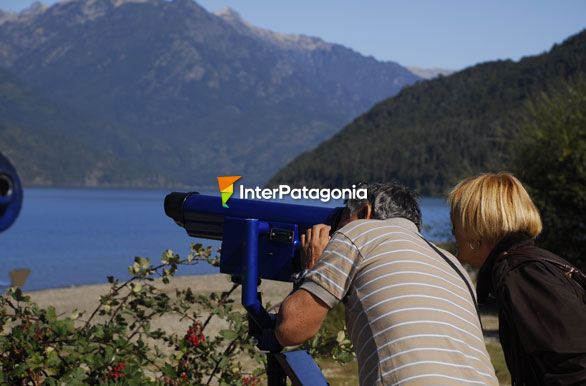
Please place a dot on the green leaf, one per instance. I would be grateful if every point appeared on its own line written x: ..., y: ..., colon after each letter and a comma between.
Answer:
x: 229, y: 334
x: 169, y: 371
x: 340, y: 337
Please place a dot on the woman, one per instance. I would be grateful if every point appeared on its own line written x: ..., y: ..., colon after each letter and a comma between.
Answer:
x: 542, y: 305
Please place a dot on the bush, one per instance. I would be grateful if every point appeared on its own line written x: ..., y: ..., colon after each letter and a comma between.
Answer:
x: 115, y: 344
x: 551, y: 161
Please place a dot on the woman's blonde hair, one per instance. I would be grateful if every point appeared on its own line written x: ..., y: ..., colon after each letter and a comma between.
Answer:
x: 492, y: 205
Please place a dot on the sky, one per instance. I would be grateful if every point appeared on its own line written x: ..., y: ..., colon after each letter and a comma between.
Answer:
x: 449, y: 34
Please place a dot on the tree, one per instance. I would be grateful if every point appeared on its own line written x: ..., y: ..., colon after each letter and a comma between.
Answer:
x: 551, y: 161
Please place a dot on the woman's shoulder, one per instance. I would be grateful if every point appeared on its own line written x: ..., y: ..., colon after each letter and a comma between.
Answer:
x: 518, y: 263
x: 535, y: 270
x: 531, y: 259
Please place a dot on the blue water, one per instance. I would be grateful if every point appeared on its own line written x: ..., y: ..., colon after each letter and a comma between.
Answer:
x: 70, y: 237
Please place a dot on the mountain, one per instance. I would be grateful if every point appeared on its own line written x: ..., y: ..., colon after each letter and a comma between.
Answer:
x: 430, y: 73
x: 6, y: 16
x: 55, y: 145
x: 437, y: 131
x: 200, y: 94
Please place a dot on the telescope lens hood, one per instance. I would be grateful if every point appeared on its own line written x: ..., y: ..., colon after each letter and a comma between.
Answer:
x: 174, y: 206
x: 6, y: 189
x: 10, y: 194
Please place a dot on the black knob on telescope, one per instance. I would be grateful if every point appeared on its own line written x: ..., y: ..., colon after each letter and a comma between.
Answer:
x: 10, y: 194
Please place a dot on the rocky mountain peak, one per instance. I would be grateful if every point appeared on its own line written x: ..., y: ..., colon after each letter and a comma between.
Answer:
x: 6, y: 16
x: 281, y: 40
x: 229, y: 14
x: 31, y: 12
x: 118, y: 3
x: 34, y: 9
x: 79, y: 11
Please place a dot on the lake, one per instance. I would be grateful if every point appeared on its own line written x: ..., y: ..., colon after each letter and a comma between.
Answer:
x: 72, y: 237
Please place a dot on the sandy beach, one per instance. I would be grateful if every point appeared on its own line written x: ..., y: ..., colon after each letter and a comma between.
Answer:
x: 86, y: 298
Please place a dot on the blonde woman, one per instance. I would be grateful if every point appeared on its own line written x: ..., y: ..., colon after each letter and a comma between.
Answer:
x: 542, y: 302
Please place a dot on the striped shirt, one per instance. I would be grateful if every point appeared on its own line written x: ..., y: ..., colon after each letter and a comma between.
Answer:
x: 410, y: 316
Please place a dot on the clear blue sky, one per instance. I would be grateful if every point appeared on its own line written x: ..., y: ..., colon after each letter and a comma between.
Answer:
x: 450, y: 34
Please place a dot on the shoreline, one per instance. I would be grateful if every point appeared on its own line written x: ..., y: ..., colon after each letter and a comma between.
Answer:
x: 104, y: 281
x: 87, y: 297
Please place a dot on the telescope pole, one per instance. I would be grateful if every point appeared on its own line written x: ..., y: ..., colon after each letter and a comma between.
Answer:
x: 275, y: 374
x: 298, y: 365
x: 254, y: 229
x: 251, y: 297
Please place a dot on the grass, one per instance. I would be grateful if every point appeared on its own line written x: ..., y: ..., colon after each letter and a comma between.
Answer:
x: 339, y: 375
x: 346, y: 375
x: 498, y: 361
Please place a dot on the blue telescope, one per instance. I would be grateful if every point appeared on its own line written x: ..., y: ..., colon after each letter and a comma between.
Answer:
x: 275, y: 226
x: 10, y: 194
x: 260, y: 240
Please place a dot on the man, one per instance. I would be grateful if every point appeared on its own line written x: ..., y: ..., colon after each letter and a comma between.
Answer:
x: 410, y: 315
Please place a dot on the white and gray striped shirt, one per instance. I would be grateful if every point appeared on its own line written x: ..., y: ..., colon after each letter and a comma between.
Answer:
x: 410, y: 316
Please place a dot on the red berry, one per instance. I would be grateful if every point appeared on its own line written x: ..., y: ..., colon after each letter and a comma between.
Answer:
x: 116, y: 372
x: 250, y: 380
x: 194, y: 334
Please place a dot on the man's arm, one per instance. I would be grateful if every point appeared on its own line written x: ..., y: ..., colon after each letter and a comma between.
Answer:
x: 300, y: 318
x: 302, y: 313
x: 324, y: 286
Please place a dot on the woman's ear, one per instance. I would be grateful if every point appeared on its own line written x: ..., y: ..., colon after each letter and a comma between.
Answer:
x: 474, y: 244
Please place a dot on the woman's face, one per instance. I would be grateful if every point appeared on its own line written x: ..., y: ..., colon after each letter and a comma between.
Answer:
x: 470, y: 251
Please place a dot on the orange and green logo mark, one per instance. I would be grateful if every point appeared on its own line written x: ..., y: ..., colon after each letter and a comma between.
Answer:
x: 226, y: 185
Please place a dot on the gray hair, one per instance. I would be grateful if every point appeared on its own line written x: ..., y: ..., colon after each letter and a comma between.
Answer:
x: 388, y: 200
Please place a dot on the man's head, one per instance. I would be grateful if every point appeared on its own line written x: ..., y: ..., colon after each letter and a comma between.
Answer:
x: 384, y: 201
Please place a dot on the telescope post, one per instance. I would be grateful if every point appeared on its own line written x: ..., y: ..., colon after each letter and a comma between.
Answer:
x: 275, y: 374
x: 298, y: 365
x: 258, y: 318
x: 250, y: 297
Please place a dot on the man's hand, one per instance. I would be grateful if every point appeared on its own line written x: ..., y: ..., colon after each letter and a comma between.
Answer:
x: 313, y: 243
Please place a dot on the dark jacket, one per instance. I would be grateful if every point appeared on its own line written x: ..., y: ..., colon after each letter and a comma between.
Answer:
x: 542, y: 313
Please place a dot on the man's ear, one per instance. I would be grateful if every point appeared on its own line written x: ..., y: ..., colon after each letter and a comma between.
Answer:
x: 365, y: 212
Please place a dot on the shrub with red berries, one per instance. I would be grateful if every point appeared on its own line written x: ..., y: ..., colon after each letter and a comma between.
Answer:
x: 116, y: 343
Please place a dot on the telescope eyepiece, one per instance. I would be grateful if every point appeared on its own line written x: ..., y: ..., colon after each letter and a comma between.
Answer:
x: 174, y: 206
x: 6, y: 186
x: 10, y: 194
